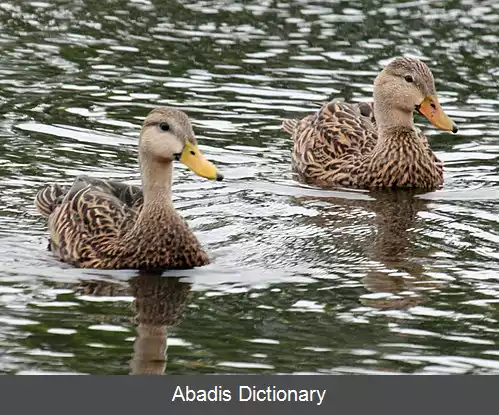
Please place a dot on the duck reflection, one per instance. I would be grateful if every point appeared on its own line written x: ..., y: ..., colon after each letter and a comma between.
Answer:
x: 159, y: 303
x: 393, y: 244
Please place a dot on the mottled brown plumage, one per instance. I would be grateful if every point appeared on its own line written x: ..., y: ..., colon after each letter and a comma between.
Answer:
x: 106, y: 224
x: 373, y: 145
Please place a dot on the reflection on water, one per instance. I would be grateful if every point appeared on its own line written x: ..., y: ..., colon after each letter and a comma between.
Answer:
x: 302, y: 280
x: 158, y: 303
x: 400, y: 280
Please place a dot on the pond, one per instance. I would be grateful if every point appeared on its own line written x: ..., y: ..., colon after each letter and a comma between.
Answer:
x: 302, y: 280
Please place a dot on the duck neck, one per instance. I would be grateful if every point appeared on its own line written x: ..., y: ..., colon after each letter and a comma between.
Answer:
x: 389, y: 119
x: 157, y: 183
x: 395, y: 130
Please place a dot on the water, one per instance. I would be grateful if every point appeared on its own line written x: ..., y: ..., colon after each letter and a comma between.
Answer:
x: 302, y: 280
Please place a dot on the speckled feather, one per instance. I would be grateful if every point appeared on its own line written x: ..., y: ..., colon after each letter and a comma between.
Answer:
x: 107, y: 224
x: 338, y: 146
x: 92, y: 224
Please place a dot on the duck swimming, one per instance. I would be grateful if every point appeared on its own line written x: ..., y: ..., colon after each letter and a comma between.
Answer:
x: 374, y: 145
x: 107, y: 224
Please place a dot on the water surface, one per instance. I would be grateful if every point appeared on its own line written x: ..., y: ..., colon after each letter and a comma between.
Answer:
x: 302, y: 280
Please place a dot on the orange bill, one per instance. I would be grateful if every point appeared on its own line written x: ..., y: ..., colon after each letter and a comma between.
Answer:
x: 431, y: 109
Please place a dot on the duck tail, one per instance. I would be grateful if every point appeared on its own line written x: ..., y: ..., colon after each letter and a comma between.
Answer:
x: 48, y: 198
x: 289, y: 126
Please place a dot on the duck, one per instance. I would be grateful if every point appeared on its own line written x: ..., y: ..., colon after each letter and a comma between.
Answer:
x: 373, y: 145
x: 105, y: 224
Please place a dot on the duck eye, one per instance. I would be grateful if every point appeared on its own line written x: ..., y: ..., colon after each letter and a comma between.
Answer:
x: 164, y: 126
x: 409, y: 78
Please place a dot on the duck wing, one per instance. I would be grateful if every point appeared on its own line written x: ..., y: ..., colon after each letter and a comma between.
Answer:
x: 334, y: 137
x: 89, y: 220
x: 52, y: 195
x: 340, y: 126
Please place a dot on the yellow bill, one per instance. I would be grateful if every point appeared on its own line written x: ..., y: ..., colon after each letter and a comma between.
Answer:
x: 193, y: 158
x: 431, y: 109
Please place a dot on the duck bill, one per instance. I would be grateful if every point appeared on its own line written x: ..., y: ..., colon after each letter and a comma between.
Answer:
x: 193, y: 158
x: 431, y: 109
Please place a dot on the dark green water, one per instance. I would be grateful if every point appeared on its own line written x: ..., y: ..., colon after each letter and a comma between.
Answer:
x: 302, y: 280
